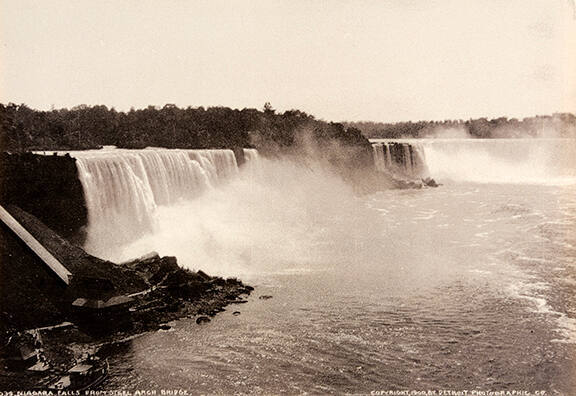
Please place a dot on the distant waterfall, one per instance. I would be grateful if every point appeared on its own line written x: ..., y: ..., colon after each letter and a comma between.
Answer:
x: 123, y: 188
x: 251, y: 155
x: 401, y: 159
x: 534, y: 161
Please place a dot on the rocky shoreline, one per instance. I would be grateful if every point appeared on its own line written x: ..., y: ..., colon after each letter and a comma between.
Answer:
x: 46, y: 328
x: 65, y: 345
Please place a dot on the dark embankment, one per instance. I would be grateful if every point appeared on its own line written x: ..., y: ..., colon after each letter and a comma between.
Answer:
x: 47, y: 187
x: 31, y: 296
x: 104, y: 301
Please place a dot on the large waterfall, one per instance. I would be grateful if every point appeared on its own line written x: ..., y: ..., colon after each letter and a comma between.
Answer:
x: 349, y: 271
x: 128, y: 191
x: 124, y: 188
x: 548, y: 161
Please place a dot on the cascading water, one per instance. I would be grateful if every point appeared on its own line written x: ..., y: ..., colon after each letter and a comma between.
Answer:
x: 480, y: 269
x: 379, y: 157
x: 251, y: 155
x: 405, y: 160
x: 551, y: 161
x: 123, y: 188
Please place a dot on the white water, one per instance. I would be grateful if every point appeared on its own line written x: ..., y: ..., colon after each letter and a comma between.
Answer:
x: 265, y: 220
x: 404, y: 289
x: 406, y: 161
x: 165, y: 200
x: 124, y: 189
x: 463, y: 286
x: 522, y: 161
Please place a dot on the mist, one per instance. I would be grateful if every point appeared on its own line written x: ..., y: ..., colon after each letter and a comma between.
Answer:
x: 513, y: 161
x: 274, y: 211
x: 279, y: 217
x: 454, y: 132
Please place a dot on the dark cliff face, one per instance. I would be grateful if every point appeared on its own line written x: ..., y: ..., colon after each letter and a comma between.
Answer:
x: 47, y: 187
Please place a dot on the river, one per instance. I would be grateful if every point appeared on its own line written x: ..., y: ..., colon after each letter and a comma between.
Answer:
x: 470, y: 285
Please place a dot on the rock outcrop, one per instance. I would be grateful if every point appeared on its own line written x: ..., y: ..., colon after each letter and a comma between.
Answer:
x: 46, y: 186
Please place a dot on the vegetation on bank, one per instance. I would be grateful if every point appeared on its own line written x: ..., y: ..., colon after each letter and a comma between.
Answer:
x: 86, y: 127
x: 556, y: 125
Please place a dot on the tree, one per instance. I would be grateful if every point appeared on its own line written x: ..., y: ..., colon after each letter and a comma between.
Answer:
x: 268, y: 109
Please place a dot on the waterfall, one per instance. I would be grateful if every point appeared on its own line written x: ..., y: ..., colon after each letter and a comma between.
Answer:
x: 404, y: 160
x: 251, y: 155
x: 123, y: 188
x: 379, y: 156
x: 388, y: 157
x: 535, y: 161
x: 407, y: 158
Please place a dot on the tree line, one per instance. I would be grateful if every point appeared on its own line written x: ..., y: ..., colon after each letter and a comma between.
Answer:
x: 555, y: 125
x: 91, y: 127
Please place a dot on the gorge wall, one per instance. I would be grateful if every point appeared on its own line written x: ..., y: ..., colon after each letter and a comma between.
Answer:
x: 47, y: 187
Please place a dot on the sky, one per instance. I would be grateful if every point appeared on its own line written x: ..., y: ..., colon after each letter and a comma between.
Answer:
x: 382, y: 60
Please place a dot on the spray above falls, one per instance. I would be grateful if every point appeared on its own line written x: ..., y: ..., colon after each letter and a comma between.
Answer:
x: 135, y: 195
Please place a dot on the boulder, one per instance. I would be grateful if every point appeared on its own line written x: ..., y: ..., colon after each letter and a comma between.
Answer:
x: 202, y: 319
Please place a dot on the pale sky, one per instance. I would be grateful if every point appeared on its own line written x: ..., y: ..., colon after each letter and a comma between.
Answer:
x: 382, y: 60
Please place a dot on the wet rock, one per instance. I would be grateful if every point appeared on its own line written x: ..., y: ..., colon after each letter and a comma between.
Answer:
x: 407, y: 184
x: 218, y: 281
x: 179, y: 287
x: 157, y: 289
x: 202, y: 319
x: 265, y: 297
x: 430, y: 182
x: 154, y: 269
x: 203, y: 275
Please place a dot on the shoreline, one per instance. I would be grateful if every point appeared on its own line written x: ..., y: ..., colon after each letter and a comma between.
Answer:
x: 68, y: 344
x: 50, y: 327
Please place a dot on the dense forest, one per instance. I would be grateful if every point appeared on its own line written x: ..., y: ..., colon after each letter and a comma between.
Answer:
x: 556, y: 125
x: 90, y: 127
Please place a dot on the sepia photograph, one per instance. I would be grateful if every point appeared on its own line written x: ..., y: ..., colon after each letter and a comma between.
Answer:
x: 274, y: 197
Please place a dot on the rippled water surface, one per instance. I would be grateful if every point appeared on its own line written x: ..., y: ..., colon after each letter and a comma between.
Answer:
x: 461, y: 287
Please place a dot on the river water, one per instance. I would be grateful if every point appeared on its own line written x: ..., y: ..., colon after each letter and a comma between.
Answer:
x: 467, y: 286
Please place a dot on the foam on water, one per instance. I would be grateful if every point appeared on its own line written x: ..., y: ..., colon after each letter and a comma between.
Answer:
x: 394, y: 289
x: 534, y: 293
